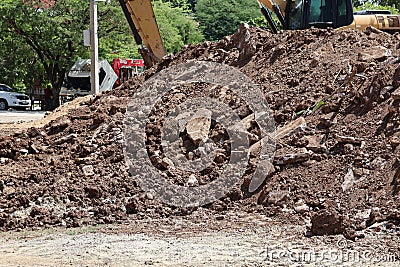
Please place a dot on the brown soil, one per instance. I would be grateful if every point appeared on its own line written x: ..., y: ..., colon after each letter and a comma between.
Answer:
x: 344, y: 169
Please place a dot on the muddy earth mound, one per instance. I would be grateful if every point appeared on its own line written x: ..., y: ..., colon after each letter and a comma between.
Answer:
x: 335, y: 99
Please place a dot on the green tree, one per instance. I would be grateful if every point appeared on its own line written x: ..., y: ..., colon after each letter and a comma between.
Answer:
x: 192, y: 4
x: 261, y: 22
x: 16, y: 59
x: 178, y: 3
x: 376, y: 6
x: 219, y: 18
x: 42, y: 43
x: 115, y: 36
x: 177, y: 27
x: 390, y: 3
x: 185, y: 4
x: 49, y: 35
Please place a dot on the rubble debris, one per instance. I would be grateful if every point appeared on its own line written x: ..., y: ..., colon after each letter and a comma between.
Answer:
x: 348, y: 139
x: 301, y: 206
x: 375, y: 53
x: 327, y: 222
x: 198, y: 129
x: 88, y: 170
x: 75, y: 164
x: 294, y: 126
x: 348, y: 181
x: 299, y: 155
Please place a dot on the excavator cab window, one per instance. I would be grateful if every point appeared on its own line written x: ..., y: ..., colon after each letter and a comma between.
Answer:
x: 295, y: 11
x: 344, y: 13
x: 304, y: 14
x: 321, y: 11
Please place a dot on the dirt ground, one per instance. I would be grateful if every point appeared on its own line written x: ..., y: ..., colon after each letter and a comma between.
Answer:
x: 20, y: 116
x: 237, y: 240
x: 335, y: 175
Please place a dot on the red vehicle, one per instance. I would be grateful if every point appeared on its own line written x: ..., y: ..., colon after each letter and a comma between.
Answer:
x: 126, y: 68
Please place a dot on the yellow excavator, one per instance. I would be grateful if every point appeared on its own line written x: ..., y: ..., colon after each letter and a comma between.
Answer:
x: 292, y: 15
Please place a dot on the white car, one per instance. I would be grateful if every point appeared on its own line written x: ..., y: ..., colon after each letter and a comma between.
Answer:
x: 11, y: 99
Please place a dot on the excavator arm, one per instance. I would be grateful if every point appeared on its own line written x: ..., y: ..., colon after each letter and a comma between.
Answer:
x: 384, y: 22
x: 141, y: 19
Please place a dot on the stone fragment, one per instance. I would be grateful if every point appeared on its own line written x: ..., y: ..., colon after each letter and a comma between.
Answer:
x: 199, y: 127
x: 327, y: 222
x: 192, y: 181
x: 33, y: 149
x: 314, y: 62
x: 33, y: 132
x: 396, y: 94
x: 149, y: 196
x: 65, y: 139
x: 348, y: 148
x: 292, y: 127
x: 88, y: 170
x: 348, y: 139
x: 220, y: 158
x: 349, y: 180
x: 277, y: 197
x: 327, y: 121
x: 24, y: 151
x: 314, y: 144
x: 93, y: 192
x: 301, y: 207
x: 300, y: 155
x: 374, y: 53
x: 166, y: 162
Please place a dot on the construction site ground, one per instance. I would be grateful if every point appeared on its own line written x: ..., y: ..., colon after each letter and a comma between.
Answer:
x: 20, y: 116
x: 331, y: 198
x: 238, y: 240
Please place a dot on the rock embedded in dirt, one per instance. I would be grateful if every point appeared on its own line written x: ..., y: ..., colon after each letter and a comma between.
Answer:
x: 327, y: 222
x: 88, y: 170
x: 374, y: 53
x: 295, y: 156
x: 199, y: 127
x: 192, y: 181
x: 349, y: 139
x: 314, y: 144
x: 396, y: 94
x: 301, y: 207
x: 348, y: 180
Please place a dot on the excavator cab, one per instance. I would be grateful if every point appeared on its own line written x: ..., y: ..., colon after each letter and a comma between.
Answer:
x: 304, y: 14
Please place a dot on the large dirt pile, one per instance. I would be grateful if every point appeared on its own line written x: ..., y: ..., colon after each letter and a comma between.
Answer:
x: 336, y: 91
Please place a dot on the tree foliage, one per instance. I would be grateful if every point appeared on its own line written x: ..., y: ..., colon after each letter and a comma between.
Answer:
x: 185, y: 4
x: 41, y: 43
x: 388, y: 3
x: 378, y: 5
x: 115, y: 36
x: 48, y: 39
x: 219, y: 18
x: 177, y: 26
x: 44, y: 33
x: 261, y: 22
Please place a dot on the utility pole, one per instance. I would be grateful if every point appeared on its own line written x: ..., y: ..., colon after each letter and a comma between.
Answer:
x: 94, y: 50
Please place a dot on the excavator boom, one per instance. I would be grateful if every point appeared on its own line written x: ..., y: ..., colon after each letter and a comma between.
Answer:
x: 141, y: 19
